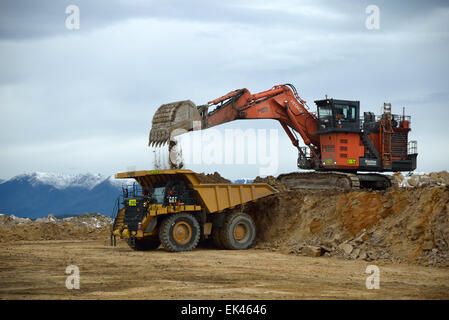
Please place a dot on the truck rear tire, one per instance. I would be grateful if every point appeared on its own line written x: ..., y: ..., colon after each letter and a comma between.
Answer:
x: 179, y: 232
x: 144, y: 244
x: 238, y: 232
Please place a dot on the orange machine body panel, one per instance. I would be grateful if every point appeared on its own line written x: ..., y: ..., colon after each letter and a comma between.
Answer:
x: 341, y: 150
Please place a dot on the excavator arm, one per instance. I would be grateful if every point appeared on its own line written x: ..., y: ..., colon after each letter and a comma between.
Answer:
x: 280, y: 103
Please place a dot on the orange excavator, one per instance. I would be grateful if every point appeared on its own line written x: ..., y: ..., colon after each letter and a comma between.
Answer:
x: 344, y: 149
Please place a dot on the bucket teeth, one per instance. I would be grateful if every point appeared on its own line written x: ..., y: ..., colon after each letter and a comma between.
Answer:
x: 158, y: 136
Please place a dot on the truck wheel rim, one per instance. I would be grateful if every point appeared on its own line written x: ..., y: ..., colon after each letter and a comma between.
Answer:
x: 241, y: 232
x: 182, y: 232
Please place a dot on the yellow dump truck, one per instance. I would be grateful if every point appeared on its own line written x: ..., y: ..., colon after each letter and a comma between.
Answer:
x: 173, y: 208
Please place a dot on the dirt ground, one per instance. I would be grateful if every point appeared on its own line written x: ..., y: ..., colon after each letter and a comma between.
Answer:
x: 36, y: 270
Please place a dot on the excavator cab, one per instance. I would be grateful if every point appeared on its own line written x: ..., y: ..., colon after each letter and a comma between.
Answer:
x: 338, y: 115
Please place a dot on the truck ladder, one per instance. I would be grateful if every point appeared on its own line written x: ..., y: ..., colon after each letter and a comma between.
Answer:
x: 118, y: 215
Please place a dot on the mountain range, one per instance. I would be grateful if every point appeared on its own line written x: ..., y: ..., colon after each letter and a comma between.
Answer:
x: 38, y: 194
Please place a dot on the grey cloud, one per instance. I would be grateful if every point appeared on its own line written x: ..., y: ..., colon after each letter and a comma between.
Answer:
x: 23, y: 19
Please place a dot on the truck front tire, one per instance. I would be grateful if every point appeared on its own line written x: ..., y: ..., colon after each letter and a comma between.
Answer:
x: 179, y: 232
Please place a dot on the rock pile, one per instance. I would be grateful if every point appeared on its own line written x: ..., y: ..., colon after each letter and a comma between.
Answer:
x: 401, y: 225
x: 13, y: 220
x: 419, y: 180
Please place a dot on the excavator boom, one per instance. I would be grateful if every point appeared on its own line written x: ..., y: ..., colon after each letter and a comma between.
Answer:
x: 280, y: 103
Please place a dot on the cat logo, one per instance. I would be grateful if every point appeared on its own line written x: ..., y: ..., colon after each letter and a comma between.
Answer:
x: 172, y: 199
x: 132, y: 202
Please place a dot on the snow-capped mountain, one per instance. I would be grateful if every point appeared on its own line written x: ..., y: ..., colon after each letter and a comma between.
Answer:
x: 61, y: 181
x: 38, y: 194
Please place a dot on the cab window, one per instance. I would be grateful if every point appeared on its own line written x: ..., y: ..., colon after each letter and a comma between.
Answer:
x: 344, y: 112
x: 324, y: 112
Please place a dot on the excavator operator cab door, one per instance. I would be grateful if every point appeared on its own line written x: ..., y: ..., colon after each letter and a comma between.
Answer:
x: 338, y: 115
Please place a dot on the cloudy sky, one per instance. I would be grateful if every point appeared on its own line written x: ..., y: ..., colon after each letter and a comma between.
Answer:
x: 82, y: 100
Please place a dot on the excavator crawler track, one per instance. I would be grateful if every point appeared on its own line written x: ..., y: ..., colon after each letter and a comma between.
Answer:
x: 337, y: 180
x: 320, y: 180
x: 377, y: 181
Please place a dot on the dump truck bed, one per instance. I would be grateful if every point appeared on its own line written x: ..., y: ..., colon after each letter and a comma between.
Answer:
x: 215, y: 197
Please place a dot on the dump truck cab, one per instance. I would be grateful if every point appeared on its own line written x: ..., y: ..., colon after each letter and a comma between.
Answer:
x: 173, y: 208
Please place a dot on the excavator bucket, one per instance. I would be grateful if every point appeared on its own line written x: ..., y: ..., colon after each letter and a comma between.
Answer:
x: 172, y: 116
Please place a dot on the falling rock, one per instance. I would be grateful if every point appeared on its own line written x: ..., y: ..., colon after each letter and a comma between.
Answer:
x: 312, y: 251
x: 346, y: 247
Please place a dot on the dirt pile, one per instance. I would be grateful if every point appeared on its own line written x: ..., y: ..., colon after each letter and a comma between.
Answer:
x: 272, y: 182
x: 401, y: 225
x: 212, y: 178
x: 88, y: 226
